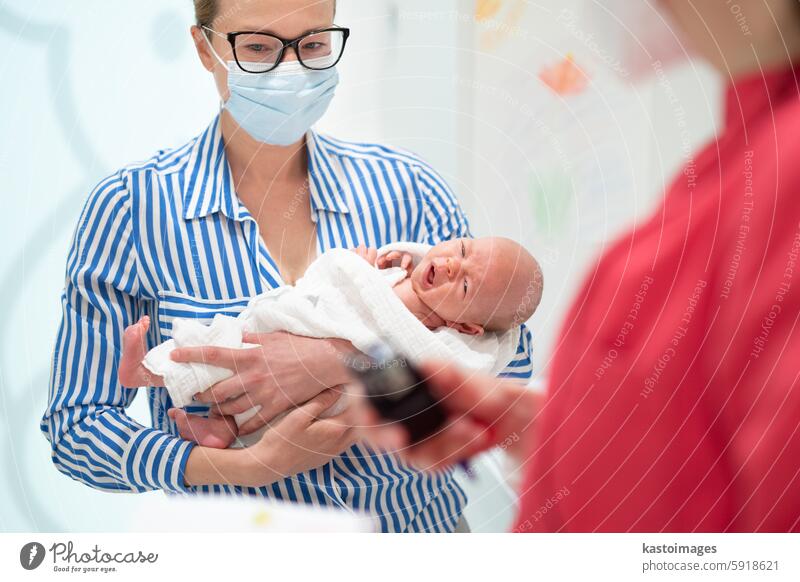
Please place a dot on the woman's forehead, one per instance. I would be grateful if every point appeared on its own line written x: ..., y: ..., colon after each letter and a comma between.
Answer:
x: 287, y: 18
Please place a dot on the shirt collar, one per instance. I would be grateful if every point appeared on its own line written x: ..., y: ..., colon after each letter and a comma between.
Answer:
x: 326, y: 176
x: 208, y: 182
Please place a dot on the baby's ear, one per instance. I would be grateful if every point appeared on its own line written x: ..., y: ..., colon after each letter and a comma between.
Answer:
x: 467, y: 328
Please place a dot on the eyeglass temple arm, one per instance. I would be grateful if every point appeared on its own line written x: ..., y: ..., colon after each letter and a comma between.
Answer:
x: 212, y: 31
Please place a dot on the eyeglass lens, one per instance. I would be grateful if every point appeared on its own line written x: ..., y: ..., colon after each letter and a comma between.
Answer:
x: 258, y: 52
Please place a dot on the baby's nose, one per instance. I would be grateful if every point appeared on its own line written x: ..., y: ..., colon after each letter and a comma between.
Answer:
x: 453, y: 267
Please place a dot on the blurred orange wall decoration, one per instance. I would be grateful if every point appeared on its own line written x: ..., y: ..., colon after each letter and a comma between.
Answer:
x: 486, y: 9
x: 565, y: 77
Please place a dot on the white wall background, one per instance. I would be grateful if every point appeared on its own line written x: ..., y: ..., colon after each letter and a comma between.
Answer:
x: 91, y: 85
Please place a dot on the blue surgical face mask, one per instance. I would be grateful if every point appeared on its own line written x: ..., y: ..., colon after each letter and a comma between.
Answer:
x: 280, y: 106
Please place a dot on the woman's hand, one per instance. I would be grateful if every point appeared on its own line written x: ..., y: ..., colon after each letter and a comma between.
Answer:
x: 483, y: 411
x: 284, y: 372
x: 298, y: 442
x: 302, y: 440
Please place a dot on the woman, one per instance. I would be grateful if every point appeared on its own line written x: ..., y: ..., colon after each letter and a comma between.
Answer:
x: 200, y: 229
x: 674, y: 398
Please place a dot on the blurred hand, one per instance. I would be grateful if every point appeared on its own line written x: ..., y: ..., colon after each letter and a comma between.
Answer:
x: 483, y: 412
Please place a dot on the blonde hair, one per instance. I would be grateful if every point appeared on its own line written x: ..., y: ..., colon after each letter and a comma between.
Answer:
x: 205, y: 11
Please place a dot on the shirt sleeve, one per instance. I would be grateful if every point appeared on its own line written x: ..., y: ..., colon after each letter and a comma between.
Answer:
x: 444, y: 219
x: 93, y: 440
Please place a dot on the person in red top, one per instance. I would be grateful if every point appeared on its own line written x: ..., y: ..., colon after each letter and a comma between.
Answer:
x: 674, y: 395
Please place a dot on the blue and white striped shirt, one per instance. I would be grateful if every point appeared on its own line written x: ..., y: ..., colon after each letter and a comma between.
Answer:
x: 169, y: 238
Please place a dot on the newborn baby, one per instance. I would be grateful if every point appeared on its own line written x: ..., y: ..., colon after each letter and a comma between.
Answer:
x: 470, y: 285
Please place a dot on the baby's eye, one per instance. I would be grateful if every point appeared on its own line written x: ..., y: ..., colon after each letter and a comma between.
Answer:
x: 465, y: 287
x: 463, y: 254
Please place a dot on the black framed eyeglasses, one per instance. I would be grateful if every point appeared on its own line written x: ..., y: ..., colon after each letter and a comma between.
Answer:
x: 261, y: 52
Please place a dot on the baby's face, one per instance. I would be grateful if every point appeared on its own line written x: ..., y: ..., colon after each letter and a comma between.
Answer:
x: 461, y: 279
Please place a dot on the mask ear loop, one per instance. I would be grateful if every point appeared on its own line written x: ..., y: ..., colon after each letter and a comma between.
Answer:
x: 213, y: 50
x: 216, y: 55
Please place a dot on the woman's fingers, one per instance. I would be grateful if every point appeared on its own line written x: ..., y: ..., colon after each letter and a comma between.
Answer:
x: 336, y: 430
x: 257, y: 421
x: 333, y: 432
x: 237, y: 405
x: 223, y: 391
x: 252, y: 338
x: 314, y: 408
x: 300, y: 417
x: 232, y: 358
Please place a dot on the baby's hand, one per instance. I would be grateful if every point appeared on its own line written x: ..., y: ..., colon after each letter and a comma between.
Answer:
x: 366, y: 253
x: 132, y: 373
x: 404, y: 260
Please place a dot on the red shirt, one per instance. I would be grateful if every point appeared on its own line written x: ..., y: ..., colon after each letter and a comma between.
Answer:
x: 674, y: 401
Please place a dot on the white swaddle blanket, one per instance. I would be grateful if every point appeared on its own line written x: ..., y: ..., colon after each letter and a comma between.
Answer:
x: 340, y: 296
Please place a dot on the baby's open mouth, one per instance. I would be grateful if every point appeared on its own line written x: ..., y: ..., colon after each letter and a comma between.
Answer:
x: 430, y: 275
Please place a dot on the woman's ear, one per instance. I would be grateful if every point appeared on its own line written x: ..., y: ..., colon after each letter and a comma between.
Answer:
x: 467, y: 328
x: 201, y: 46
